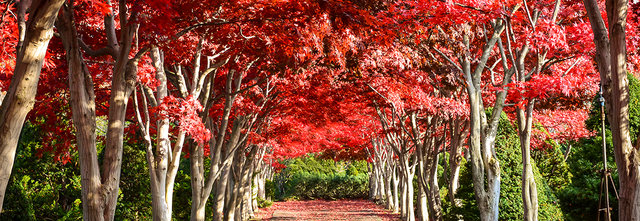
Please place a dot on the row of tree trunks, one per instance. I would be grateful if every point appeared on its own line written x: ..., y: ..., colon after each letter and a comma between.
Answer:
x: 231, y: 167
x: 233, y: 158
x: 403, y: 154
x: 386, y: 176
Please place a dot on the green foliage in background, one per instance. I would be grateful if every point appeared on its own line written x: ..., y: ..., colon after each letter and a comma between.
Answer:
x: 554, y: 170
x: 594, y: 124
x: 510, y: 155
x: 269, y: 189
x: 552, y: 165
x: 580, y: 199
x: 41, y: 188
x: 135, y: 195
x: 263, y: 203
x: 312, y: 178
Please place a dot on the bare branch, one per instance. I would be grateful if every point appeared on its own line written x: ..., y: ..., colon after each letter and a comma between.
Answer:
x: 96, y: 53
x: 110, y: 29
x: 532, y: 22
x: 196, y: 66
x: 178, y: 81
x: 571, y: 67
x: 23, y: 5
x: 448, y: 59
x: 556, y: 9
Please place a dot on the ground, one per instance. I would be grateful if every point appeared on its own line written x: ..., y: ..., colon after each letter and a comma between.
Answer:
x: 326, y: 210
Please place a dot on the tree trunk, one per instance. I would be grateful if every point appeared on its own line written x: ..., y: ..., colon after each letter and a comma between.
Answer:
x: 381, y: 189
x: 454, y: 181
x: 433, y: 194
x: 247, y: 207
x: 100, y: 190
x: 626, y: 155
x: 262, y: 181
x: 423, y: 209
x: 20, y: 97
x: 123, y: 82
x: 160, y: 168
x: 222, y: 154
x: 233, y: 188
x: 485, y: 168
x: 372, y: 180
x: 529, y: 190
x: 83, y: 106
x: 411, y: 212
x: 396, y: 182
x: 219, y: 196
x: 408, y: 197
x: 197, y: 182
x: 455, y: 157
x: 255, y: 188
x: 611, y: 59
x: 122, y: 85
x: 403, y: 198
x: 483, y: 162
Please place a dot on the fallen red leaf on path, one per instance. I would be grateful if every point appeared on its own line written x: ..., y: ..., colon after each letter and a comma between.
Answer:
x: 347, y: 209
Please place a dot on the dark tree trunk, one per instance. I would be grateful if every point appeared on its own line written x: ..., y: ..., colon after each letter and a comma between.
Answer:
x: 611, y: 61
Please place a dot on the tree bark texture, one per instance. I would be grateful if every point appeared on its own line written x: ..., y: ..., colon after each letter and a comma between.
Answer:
x: 20, y: 97
x: 529, y: 190
x: 84, y: 119
x: 611, y: 63
x: 100, y: 189
x: 485, y: 168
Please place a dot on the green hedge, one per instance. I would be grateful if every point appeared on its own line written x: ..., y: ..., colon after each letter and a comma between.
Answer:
x: 340, y: 186
x: 311, y: 178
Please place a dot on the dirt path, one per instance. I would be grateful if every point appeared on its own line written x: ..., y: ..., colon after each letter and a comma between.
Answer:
x: 326, y: 210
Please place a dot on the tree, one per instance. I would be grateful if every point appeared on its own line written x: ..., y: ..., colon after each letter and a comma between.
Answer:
x: 611, y: 60
x: 100, y: 188
x: 34, y: 35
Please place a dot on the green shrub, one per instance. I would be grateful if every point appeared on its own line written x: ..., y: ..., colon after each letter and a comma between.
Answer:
x: 553, y: 168
x: 269, y: 189
x: 311, y: 178
x: 580, y: 200
x: 510, y: 156
x: 263, y: 203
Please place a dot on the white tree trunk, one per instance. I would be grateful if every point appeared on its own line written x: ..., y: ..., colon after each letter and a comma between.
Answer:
x: 423, y: 209
x: 396, y: 182
x: 529, y: 190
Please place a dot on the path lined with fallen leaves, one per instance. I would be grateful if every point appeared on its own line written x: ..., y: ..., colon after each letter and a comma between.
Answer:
x: 326, y: 210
